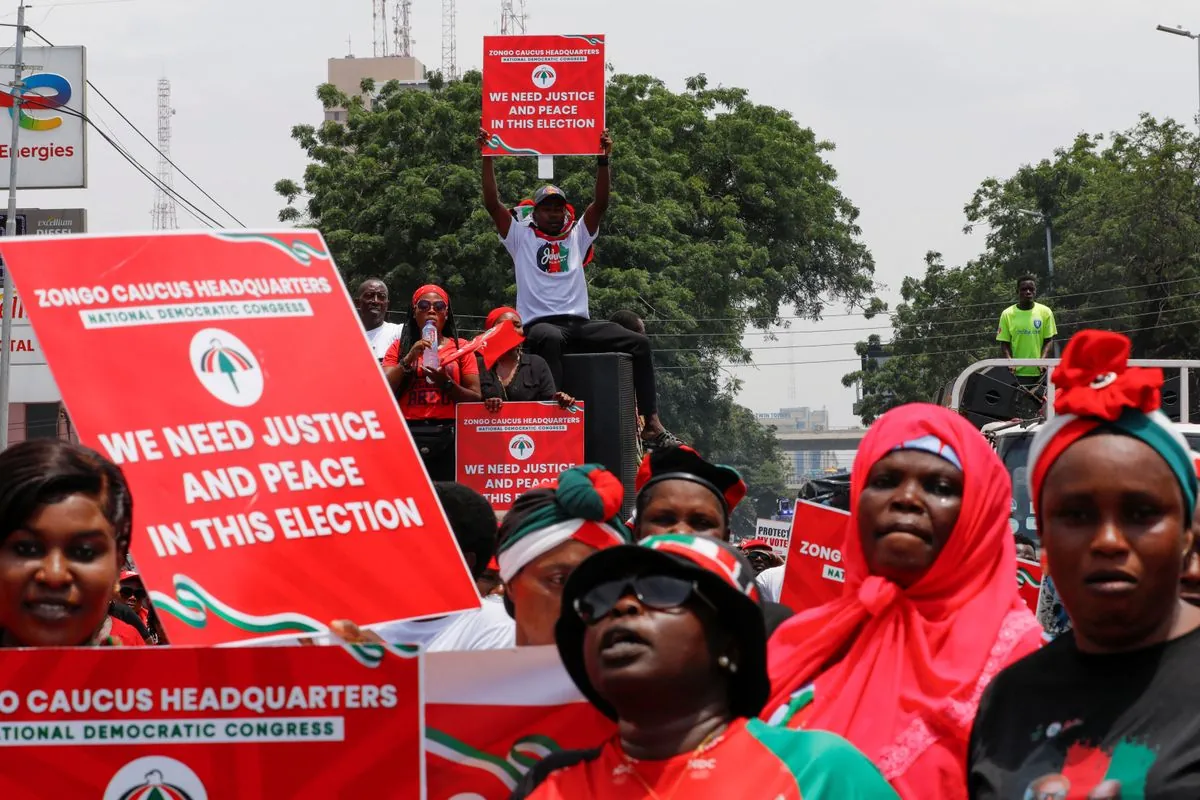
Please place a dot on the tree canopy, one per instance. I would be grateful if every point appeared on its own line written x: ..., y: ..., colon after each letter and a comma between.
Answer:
x: 1125, y: 216
x: 723, y: 213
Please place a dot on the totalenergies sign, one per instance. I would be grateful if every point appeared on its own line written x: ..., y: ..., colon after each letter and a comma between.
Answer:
x: 51, y: 144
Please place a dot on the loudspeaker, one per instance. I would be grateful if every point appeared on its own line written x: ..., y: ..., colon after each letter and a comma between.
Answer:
x: 991, y: 393
x: 1171, y: 398
x: 604, y: 382
x: 979, y: 420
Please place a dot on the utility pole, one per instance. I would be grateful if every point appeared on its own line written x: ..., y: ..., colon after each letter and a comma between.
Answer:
x: 379, y: 26
x: 449, y: 41
x: 512, y: 17
x: 1181, y: 31
x: 402, y: 19
x: 164, y: 203
x: 8, y: 307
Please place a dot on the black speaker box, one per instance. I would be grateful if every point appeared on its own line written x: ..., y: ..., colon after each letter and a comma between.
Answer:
x: 979, y: 420
x: 604, y: 382
x: 990, y: 393
x: 1171, y: 398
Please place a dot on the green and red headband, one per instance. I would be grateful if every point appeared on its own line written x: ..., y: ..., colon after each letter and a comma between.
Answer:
x: 582, y: 505
x: 1097, y: 392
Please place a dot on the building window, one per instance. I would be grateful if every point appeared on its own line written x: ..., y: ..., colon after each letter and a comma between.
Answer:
x: 41, y: 420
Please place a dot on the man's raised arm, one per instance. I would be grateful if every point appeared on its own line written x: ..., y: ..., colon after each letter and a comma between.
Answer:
x: 491, y: 195
x: 595, y: 212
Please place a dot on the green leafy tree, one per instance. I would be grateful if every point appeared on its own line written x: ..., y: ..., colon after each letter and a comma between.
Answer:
x: 723, y: 212
x: 1125, y: 214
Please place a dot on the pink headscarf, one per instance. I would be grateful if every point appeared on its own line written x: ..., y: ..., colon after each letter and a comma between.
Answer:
x: 914, y: 662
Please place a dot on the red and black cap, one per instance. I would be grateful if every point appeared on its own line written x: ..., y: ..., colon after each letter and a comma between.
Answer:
x: 682, y: 463
x: 722, y: 574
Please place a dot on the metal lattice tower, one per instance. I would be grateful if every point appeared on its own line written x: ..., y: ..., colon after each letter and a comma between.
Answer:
x: 379, y: 27
x: 512, y: 17
x: 449, y: 41
x: 402, y: 19
x: 164, y: 203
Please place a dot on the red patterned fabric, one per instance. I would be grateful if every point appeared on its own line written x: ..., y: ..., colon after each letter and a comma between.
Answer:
x: 1095, y: 380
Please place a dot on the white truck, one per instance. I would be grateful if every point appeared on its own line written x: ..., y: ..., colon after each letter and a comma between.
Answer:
x: 1012, y: 439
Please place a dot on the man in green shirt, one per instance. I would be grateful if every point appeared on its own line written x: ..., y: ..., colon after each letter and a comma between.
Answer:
x: 1027, y: 330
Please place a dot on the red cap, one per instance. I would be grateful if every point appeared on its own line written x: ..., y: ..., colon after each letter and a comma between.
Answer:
x: 128, y: 575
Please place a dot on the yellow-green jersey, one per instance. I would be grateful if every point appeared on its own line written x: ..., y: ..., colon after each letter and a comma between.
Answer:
x: 1027, y: 330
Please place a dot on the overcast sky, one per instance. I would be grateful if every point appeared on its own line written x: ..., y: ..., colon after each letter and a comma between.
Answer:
x: 923, y: 98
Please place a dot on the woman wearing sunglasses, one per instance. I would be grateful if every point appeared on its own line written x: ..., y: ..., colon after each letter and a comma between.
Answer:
x: 65, y: 525
x: 427, y: 396
x: 667, y: 638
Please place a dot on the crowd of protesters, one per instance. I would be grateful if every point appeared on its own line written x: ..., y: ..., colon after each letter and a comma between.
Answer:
x: 928, y: 677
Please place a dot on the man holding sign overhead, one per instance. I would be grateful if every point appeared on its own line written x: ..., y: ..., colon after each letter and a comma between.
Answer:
x: 550, y: 247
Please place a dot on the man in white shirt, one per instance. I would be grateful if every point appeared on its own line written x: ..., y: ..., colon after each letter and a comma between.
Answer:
x: 549, y: 251
x: 770, y: 583
x: 371, y: 300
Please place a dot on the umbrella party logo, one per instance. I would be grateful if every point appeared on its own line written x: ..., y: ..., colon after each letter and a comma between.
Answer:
x: 155, y: 778
x: 544, y: 76
x: 226, y: 367
x: 520, y: 447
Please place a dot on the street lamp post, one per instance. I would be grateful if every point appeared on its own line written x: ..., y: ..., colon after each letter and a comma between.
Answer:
x: 1180, y: 31
x: 1045, y: 218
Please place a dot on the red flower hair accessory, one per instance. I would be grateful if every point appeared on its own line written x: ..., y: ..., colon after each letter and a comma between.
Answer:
x: 1095, y: 380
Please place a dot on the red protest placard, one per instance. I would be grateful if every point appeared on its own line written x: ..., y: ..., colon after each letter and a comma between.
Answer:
x: 505, y: 453
x: 543, y: 95
x: 209, y: 723
x: 275, y: 484
x: 814, y: 574
x: 481, y: 736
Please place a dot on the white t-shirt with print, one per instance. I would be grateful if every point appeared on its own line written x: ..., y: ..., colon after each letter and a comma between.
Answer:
x: 550, y: 280
x: 381, y: 338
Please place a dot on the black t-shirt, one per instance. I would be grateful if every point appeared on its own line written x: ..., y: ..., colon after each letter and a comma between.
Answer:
x: 1060, y: 717
x: 533, y: 381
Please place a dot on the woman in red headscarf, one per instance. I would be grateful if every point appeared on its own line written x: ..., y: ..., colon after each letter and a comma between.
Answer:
x: 517, y: 375
x: 427, y: 395
x: 930, y: 610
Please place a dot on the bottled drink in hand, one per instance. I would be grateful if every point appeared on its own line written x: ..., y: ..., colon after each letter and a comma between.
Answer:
x: 429, y: 359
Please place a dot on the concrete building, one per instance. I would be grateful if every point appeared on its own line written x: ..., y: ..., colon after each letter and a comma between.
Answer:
x: 348, y: 73
x: 800, y: 464
x: 35, y: 410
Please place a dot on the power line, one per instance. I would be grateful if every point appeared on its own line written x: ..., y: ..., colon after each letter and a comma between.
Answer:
x: 195, y: 211
x: 890, y: 314
x: 858, y: 359
x: 945, y: 335
x: 924, y: 323
x: 147, y: 140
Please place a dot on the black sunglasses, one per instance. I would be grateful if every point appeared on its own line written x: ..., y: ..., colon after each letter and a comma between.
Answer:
x: 660, y: 592
x: 128, y: 592
x: 437, y: 305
